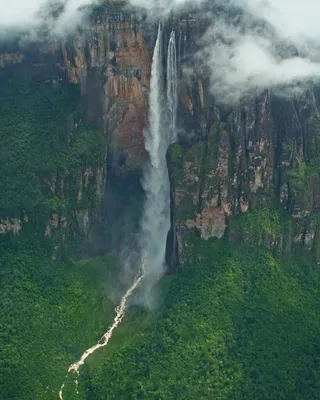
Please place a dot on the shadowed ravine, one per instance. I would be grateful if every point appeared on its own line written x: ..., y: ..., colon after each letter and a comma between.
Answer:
x: 155, y: 223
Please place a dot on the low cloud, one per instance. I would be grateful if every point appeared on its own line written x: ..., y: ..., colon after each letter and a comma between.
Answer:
x: 294, y: 20
x: 63, y: 16
x: 275, y: 44
x: 247, y: 61
x: 34, y: 17
x: 161, y: 8
x: 272, y: 45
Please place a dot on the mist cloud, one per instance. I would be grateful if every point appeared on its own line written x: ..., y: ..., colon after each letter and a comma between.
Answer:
x: 30, y: 17
x: 296, y: 20
x: 275, y: 44
x: 161, y: 8
x: 243, y: 63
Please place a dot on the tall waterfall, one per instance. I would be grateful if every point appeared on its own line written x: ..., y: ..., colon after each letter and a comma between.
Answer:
x: 155, y: 223
x: 172, y: 89
x: 162, y: 132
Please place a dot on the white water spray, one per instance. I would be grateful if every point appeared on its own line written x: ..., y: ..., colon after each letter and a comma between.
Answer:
x: 172, y: 83
x: 184, y: 46
x: 156, y: 218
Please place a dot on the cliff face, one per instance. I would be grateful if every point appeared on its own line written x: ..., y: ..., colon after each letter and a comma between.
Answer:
x: 53, y: 162
x: 114, y: 58
x: 261, y: 155
x: 110, y: 63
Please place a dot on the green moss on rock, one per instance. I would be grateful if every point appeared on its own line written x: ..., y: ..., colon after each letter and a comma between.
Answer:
x: 45, y: 150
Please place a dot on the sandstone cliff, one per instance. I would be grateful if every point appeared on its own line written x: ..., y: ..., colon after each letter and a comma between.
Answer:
x: 261, y: 155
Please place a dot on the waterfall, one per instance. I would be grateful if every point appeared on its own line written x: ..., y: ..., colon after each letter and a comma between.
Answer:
x: 172, y: 89
x: 155, y: 223
x: 172, y: 99
x: 154, y: 142
x: 185, y: 46
x: 161, y: 133
x: 180, y: 51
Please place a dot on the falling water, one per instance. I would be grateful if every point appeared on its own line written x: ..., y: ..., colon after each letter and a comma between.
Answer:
x: 162, y: 132
x: 180, y: 50
x: 172, y: 98
x: 172, y: 90
x: 155, y: 223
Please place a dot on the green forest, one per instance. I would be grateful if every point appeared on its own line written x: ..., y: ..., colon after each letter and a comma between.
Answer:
x: 49, y: 313
x: 50, y: 310
x: 236, y: 322
x: 40, y: 145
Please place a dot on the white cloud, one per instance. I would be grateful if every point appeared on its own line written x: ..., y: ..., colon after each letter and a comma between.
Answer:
x: 293, y: 19
x: 240, y: 60
x: 243, y: 63
x: 245, y: 60
x: 30, y: 15
x: 276, y: 44
x: 161, y: 8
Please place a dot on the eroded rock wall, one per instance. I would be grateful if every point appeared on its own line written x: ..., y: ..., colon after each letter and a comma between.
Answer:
x: 260, y: 155
x: 229, y: 162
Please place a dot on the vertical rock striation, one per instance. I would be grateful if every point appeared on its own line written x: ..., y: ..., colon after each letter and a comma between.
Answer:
x: 261, y: 155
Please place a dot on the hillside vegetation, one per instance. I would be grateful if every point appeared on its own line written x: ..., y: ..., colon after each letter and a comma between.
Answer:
x: 236, y: 324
